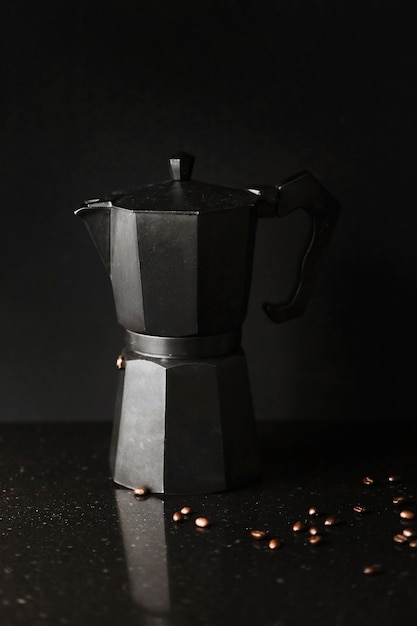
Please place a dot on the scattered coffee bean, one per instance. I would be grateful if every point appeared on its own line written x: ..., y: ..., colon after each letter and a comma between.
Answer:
x: 186, y: 510
x: 332, y: 520
x: 202, y: 522
x: 141, y: 491
x: 315, y: 539
x: 312, y: 510
x: 176, y: 517
x: 399, y: 500
x: 394, y: 478
x: 413, y: 543
x: 405, y: 514
x: 313, y: 531
x: 409, y: 532
x: 298, y: 526
x: 367, y: 480
x: 372, y: 569
x: 359, y: 509
x: 400, y: 538
x: 258, y: 534
x: 274, y: 544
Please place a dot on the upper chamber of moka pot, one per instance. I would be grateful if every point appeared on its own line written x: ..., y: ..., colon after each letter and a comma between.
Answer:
x: 179, y: 253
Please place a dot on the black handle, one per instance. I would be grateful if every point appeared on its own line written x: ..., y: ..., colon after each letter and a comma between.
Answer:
x: 302, y: 191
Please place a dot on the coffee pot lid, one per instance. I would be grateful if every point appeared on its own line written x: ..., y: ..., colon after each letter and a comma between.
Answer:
x: 180, y: 194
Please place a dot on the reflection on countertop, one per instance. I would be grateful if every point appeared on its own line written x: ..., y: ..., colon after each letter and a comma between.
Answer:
x: 77, y: 549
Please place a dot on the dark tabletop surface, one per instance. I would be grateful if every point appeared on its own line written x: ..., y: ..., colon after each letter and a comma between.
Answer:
x: 77, y: 549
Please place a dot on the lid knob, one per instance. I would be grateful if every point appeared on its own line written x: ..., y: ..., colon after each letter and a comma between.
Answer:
x: 181, y: 166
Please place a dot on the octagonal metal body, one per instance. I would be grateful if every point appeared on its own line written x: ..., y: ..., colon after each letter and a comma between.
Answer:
x: 177, y: 273
x: 184, y: 425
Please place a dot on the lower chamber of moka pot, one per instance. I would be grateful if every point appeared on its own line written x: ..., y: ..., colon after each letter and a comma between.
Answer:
x: 184, y: 425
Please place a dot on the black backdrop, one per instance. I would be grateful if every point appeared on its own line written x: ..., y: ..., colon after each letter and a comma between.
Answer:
x: 97, y: 95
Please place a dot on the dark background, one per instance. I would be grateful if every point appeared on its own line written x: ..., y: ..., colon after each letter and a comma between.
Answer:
x: 97, y: 95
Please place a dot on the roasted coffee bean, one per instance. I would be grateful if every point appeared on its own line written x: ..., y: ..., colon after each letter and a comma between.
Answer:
x: 400, y: 538
x: 359, y: 509
x: 413, y: 543
x: 394, y: 478
x: 372, y: 569
x: 258, y: 534
x: 298, y: 526
x: 332, y: 520
x: 409, y: 532
x: 312, y: 510
x: 274, y: 544
x: 176, y: 517
x: 367, y: 480
x: 202, y: 522
x: 186, y: 510
x: 405, y: 514
x: 399, y: 500
x: 313, y: 531
x: 315, y: 539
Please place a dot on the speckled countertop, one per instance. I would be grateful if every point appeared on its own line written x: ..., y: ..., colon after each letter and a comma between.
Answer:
x: 76, y: 549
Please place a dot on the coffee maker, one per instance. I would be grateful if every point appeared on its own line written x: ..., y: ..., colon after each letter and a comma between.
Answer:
x: 179, y: 256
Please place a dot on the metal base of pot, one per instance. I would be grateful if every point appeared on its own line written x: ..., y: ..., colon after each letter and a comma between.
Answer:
x: 184, y: 426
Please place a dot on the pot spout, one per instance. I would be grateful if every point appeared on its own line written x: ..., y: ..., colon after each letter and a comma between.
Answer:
x: 96, y: 216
